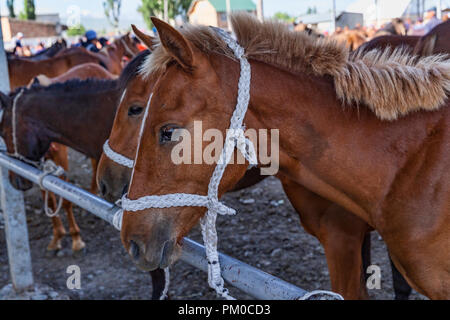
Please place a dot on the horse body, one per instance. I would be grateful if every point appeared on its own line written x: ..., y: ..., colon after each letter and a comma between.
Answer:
x: 391, y: 41
x: 21, y: 71
x: 385, y: 158
x: 81, y: 72
x: 436, y: 41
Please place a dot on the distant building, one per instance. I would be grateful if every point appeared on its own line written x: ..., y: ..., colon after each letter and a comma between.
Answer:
x: 323, y: 21
x: 214, y: 12
x: 45, y: 26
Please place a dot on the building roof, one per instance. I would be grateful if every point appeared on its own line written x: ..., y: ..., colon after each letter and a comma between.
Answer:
x: 236, y: 5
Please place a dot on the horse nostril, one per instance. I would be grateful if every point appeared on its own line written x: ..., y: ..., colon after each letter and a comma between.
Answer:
x: 134, y: 250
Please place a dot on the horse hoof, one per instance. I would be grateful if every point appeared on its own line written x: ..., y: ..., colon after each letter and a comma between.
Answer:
x: 79, y: 253
x: 51, y: 253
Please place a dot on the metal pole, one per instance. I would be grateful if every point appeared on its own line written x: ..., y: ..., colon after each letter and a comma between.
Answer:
x: 439, y: 9
x: 13, y: 208
x: 260, y: 10
x: 228, y: 14
x: 250, y: 280
x: 333, y: 17
x: 377, y: 16
x: 166, y: 11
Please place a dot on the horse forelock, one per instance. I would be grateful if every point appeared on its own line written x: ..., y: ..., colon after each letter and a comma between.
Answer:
x: 391, y: 83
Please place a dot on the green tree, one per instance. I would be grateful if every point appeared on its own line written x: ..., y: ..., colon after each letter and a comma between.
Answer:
x: 151, y: 8
x: 30, y: 10
x: 78, y: 30
x: 282, y: 16
x: 10, y: 5
x: 112, y: 11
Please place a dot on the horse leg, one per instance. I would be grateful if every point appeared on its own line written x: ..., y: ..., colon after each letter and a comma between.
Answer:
x: 423, y: 259
x: 59, y: 154
x: 158, y: 283
x: 58, y: 229
x: 402, y: 289
x: 94, y: 189
x: 77, y: 243
x: 341, y: 234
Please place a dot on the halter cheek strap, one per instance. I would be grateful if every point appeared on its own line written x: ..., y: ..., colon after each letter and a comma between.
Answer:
x: 235, y: 138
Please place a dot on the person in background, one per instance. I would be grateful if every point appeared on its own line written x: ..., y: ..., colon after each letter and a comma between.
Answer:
x: 92, y: 41
x: 445, y: 17
x: 26, y: 51
x: 103, y: 42
x: 40, y: 47
x: 429, y: 22
x: 18, y: 49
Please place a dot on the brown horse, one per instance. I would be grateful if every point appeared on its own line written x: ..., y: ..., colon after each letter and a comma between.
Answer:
x: 385, y: 157
x: 81, y: 72
x: 22, y: 71
x: 384, y: 42
x: 436, y: 41
x: 111, y: 55
x: 352, y: 39
x: 320, y: 217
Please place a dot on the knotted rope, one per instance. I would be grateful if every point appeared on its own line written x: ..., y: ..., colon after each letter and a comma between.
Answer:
x: 50, y: 168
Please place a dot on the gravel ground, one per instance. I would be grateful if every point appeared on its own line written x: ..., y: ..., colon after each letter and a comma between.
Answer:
x: 276, y: 243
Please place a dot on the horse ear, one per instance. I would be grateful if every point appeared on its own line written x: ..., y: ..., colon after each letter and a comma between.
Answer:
x: 428, y: 47
x: 174, y: 43
x: 146, y: 39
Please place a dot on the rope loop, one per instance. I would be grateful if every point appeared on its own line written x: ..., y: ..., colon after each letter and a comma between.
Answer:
x: 50, y: 168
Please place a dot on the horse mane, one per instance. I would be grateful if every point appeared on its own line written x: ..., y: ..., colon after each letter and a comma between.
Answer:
x: 392, y: 83
x: 132, y: 69
x: 74, y: 86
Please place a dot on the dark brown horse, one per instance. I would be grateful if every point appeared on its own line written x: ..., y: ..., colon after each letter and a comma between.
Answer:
x: 391, y: 41
x: 76, y: 113
x: 384, y: 157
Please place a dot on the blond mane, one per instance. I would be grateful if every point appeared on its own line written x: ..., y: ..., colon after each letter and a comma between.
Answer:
x: 392, y: 83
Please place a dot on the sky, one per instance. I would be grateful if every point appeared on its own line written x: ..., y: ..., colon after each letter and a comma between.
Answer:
x: 93, y: 9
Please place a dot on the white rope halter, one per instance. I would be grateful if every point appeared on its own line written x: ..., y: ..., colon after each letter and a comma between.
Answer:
x: 117, y: 157
x: 235, y: 139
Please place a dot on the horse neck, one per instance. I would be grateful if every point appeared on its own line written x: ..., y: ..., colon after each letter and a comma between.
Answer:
x: 336, y: 151
x: 81, y: 121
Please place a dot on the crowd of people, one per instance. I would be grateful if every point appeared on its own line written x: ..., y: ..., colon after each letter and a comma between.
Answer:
x: 418, y: 27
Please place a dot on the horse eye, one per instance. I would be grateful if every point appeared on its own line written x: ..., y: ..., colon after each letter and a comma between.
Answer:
x: 134, y: 111
x: 166, y: 132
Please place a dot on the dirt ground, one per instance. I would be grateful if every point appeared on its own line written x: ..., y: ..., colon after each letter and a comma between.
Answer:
x: 266, y: 234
